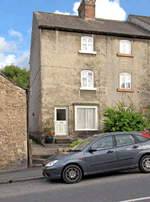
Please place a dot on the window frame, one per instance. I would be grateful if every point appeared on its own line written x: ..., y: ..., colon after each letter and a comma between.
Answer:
x: 123, y: 42
x: 82, y: 76
x: 121, y: 74
x: 96, y: 117
x: 87, y: 43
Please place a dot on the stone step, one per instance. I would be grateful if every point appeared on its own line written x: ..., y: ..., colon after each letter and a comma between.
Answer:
x: 35, y: 157
x: 62, y: 141
x: 37, y: 162
x: 56, y: 145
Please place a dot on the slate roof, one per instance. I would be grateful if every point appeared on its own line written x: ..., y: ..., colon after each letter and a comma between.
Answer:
x: 98, y: 26
x: 145, y: 19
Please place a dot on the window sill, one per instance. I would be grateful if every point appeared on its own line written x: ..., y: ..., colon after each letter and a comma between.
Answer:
x: 125, y: 55
x: 88, y: 52
x: 125, y: 90
x: 81, y: 88
x: 86, y: 129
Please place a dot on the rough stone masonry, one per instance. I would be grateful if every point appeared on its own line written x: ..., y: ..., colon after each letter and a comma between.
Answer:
x: 13, y: 126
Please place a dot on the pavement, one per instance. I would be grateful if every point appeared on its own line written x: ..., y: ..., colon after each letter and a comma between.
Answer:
x: 39, y: 153
x: 21, y: 175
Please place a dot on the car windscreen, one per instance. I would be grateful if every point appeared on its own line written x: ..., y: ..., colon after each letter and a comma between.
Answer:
x: 84, y: 143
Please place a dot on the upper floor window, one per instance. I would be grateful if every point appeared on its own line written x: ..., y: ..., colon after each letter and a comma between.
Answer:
x: 86, y: 43
x: 87, y: 79
x: 125, y: 81
x: 125, y: 47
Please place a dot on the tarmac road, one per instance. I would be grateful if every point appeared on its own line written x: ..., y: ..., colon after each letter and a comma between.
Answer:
x: 112, y: 187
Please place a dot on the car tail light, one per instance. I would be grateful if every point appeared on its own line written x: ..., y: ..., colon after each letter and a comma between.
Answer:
x: 145, y: 135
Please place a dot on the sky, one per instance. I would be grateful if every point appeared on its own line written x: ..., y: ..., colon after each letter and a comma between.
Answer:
x: 16, y: 22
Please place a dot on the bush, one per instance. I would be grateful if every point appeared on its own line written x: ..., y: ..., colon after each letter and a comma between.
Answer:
x: 119, y: 119
x: 76, y: 142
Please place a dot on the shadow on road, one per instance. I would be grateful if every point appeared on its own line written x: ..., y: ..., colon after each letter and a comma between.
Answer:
x: 102, y: 175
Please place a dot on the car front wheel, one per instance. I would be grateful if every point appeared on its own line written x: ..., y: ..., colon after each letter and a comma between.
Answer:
x: 72, y: 174
x: 145, y: 164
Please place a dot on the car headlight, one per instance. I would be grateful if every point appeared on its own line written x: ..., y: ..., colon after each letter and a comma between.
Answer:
x: 51, y: 163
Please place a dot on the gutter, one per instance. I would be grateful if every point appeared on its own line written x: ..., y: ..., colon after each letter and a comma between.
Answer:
x: 94, y: 32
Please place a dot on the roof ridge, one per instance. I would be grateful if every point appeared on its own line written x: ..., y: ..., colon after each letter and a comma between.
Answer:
x: 140, y: 15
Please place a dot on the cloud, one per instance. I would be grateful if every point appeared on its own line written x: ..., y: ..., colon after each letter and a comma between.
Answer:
x: 75, y: 7
x: 7, y: 46
x: 17, y: 57
x: 7, y: 60
x: 23, y: 61
x: 15, y: 33
x: 107, y: 9
x: 110, y: 10
x: 64, y: 13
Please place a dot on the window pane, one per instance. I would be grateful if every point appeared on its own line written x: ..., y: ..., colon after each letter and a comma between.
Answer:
x: 90, y: 74
x: 122, y: 49
x: 84, y: 82
x: 90, y: 40
x: 84, y: 46
x: 84, y: 73
x: 122, y: 81
x: 90, y: 83
x: 84, y: 39
x: 124, y: 140
x: 90, y: 118
x: 127, y: 47
x: 142, y: 138
x: 128, y: 85
x: 103, y: 143
x: 90, y: 47
x: 61, y: 114
x: 81, y: 118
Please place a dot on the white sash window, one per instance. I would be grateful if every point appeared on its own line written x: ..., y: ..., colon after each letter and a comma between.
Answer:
x: 85, y: 118
x: 87, y: 79
x: 125, y: 81
x: 125, y: 47
x: 86, y: 43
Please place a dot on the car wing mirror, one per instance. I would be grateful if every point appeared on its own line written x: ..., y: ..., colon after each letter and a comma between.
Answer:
x: 91, y: 150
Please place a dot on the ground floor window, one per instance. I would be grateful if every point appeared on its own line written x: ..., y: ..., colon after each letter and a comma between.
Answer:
x: 85, y: 118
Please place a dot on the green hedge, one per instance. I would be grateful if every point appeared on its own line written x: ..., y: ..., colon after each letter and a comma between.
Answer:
x: 119, y: 119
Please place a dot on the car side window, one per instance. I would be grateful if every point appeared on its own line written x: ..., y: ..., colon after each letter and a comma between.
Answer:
x: 142, y: 138
x: 123, y: 140
x: 103, y: 143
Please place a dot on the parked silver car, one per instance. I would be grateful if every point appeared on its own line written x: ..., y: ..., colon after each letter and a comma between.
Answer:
x: 100, y: 153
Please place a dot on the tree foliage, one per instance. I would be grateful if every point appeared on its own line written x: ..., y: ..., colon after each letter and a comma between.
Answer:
x: 17, y: 75
x: 123, y: 118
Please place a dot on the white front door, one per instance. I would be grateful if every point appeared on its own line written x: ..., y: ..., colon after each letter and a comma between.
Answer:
x: 61, y: 121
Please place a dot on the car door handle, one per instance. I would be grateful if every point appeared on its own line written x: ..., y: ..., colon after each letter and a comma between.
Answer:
x: 109, y: 152
x: 135, y: 146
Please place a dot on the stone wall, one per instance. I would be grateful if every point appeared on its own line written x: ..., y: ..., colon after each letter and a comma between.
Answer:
x: 13, y: 126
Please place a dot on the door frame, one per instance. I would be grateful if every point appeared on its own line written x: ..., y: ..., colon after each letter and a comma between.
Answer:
x: 55, y: 116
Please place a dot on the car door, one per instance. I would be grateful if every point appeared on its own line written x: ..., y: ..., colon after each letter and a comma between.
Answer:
x: 103, y: 156
x: 127, y: 149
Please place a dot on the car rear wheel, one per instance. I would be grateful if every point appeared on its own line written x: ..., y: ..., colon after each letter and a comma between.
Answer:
x: 144, y: 165
x: 72, y: 174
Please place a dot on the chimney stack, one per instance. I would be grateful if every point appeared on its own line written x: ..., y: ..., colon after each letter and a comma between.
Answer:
x: 87, y: 9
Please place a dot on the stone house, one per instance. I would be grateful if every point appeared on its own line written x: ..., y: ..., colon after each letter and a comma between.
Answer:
x: 13, y: 126
x: 80, y: 65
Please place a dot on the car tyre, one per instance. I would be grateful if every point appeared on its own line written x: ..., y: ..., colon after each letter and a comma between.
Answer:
x: 144, y: 164
x: 72, y: 174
